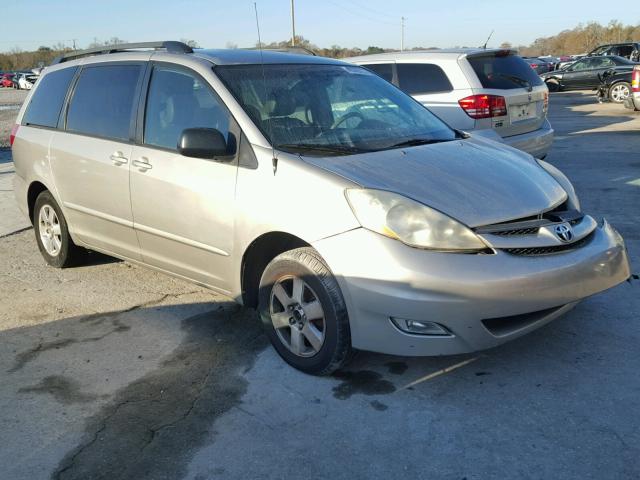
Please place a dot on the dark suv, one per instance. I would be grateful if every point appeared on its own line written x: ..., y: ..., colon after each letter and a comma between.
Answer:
x: 630, y: 50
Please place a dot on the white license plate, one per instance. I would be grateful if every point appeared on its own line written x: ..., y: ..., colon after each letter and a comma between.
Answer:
x: 518, y: 113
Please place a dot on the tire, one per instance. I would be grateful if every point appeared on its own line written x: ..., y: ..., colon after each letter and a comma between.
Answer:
x: 49, y: 223
x: 619, y: 92
x: 553, y: 85
x: 318, y: 287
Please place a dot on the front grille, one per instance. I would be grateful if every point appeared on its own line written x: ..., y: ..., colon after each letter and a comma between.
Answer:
x: 517, y: 231
x: 532, y: 251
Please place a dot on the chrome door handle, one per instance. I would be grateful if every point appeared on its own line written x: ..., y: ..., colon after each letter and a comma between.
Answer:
x: 143, y: 164
x: 118, y: 158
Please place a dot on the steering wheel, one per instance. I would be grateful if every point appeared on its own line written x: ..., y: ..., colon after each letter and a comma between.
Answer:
x: 346, y: 117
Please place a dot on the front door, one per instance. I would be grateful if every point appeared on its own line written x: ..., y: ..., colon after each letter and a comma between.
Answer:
x: 183, y: 207
x: 90, y: 157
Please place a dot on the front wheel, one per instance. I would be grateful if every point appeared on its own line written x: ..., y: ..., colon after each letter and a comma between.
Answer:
x: 303, y: 312
x: 553, y: 85
x: 619, y: 92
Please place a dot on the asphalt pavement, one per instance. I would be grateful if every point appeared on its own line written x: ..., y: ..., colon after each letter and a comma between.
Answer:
x: 112, y: 371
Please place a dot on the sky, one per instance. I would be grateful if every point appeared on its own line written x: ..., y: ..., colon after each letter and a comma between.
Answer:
x: 348, y: 23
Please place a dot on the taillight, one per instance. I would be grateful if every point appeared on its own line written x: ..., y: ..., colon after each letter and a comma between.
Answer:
x: 635, y: 79
x: 14, y: 132
x: 534, y: 65
x: 484, y: 106
x: 545, y: 102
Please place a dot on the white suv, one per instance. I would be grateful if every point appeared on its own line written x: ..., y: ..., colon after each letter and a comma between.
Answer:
x: 493, y: 93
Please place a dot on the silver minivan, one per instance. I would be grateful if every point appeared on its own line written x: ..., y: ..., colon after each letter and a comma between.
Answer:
x: 489, y: 92
x: 349, y: 215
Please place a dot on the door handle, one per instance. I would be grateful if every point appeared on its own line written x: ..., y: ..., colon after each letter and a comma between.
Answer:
x: 143, y: 164
x: 118, y: 158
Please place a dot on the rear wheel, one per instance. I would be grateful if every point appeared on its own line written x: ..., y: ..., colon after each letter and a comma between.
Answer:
x: 303, y: 312
x: 52, y: 234
x: 619, y: 92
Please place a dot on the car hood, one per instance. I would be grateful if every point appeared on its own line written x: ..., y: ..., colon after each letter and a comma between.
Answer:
x: 475, y: 181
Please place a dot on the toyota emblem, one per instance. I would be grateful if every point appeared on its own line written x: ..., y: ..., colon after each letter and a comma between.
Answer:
x: 564, y: 232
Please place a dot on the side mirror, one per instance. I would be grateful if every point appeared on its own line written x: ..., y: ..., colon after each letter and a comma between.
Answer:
x: 208, y: 143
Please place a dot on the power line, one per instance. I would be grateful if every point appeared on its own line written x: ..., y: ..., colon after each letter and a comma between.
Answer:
x: 360, y: 14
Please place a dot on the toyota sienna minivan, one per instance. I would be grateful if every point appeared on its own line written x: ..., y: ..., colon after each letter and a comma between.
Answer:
x: 348, y: 214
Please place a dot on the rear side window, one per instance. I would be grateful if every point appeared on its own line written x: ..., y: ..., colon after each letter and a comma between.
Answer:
x: 503, y: 72
x: 103, y: 101
x: 384, y: 70
x: 178, y: 100
x: 417, y: 78
x: 46, y: 103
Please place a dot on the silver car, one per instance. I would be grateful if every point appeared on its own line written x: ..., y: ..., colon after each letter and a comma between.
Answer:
x: 345, y: 212
x: 493, y: 93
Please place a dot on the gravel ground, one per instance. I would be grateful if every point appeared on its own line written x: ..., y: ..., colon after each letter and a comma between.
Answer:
x: 10, y: 102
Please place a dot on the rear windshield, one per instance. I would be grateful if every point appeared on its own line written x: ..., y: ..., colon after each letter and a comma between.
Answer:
x: 504, y: 72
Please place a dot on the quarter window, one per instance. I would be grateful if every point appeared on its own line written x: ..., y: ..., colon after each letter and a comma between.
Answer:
x: 420, y: 78
x: 46, y: 103
x: 103, y: 101
x: 178, y: 100
x: 384, y: 70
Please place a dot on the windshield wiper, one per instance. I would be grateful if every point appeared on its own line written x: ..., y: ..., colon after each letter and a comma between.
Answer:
x: 307, y: 147
x: 414, y: 142
x: 517, y: 80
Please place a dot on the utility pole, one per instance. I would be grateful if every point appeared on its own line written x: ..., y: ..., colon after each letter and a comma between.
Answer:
x: 293, y: 25
x: 402, y: 19
x: 74, y: 44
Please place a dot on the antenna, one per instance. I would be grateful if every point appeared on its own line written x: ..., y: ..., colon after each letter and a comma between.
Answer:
x: 488, y: 38
x: 274, y: 159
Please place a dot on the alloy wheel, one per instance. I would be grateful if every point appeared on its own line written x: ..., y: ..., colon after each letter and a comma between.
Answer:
x: 619, y: 93
x: 50, y: 231
x: 297, y: 316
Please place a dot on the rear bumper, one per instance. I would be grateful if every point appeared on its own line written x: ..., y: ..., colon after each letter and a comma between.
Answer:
x: 633, y: 102
x: 20, y: 194
x: 482, y: 300
x: 536, y: 143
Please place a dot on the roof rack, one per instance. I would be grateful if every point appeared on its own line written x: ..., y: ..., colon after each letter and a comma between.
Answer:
x: 298, y: 50
x: 169, y: 46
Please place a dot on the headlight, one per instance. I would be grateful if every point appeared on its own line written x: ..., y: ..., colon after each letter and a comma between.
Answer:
x: 417, y: 225
x: 564, y: 182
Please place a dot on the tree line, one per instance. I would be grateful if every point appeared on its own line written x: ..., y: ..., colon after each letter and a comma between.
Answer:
x: 581, y: 39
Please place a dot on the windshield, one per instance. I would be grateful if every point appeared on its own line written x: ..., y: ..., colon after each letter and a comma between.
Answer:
x: 330, y: 109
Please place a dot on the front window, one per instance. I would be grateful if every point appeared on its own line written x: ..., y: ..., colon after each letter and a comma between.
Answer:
x: 330, y: 109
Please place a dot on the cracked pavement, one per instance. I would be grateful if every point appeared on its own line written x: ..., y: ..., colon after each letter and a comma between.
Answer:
x: 112, y: 371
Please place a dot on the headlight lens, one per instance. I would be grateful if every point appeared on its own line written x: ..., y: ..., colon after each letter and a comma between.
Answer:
x: 417, y: 225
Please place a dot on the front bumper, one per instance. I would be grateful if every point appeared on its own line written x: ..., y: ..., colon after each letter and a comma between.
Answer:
x: 536, y: 143
x: 382, y: 278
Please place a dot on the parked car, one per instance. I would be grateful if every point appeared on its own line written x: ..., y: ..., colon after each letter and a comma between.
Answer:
x: 615, y: 86
x: 487, y: 92
x: 633, y: 102
x: 26, y: 81
x: 539, y: 65
x: 310, y: 188
x: 6, y: 80
x: 629, y: 50
x: 584, y: 74
x: 552, y: 61
x: 565, y: 61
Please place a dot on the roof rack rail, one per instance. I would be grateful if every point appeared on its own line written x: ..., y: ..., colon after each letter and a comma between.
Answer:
x: 169, y: 46
x: 298, y: 50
